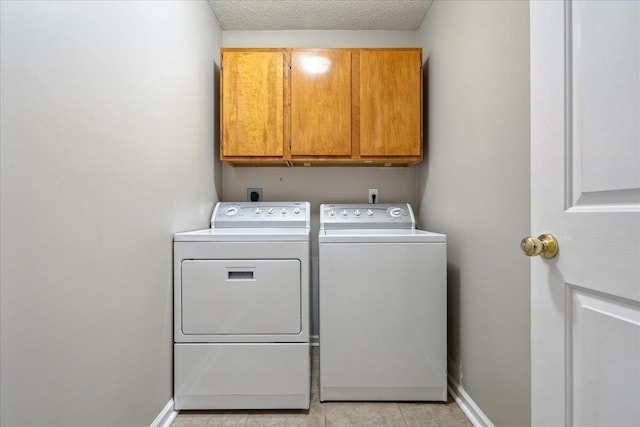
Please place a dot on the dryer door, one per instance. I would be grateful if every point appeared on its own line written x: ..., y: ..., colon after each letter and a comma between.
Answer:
x: 241, y: 297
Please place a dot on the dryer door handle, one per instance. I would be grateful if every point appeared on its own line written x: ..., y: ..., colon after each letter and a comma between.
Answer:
x: 240, y: 275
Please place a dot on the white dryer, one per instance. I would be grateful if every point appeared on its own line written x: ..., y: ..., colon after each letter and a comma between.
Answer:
x: 241, y: 309
x: 383, y: 304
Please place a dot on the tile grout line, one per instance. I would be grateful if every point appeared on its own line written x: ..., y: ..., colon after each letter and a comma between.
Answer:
x: 406, y: 423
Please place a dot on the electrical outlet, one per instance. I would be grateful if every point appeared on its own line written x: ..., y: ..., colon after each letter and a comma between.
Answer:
x: 254, y: 194
x: 373, y: 195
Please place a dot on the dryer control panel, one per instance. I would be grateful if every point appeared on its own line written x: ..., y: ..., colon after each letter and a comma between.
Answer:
x: 261, y: 215
x: 367, y: 216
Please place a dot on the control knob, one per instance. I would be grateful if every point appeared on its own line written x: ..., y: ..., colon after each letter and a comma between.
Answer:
x: 231, y: 211
x: 395, y: 212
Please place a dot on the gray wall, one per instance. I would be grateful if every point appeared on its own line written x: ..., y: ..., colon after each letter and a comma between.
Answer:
x: 475, y: 187
x: 107, y: 118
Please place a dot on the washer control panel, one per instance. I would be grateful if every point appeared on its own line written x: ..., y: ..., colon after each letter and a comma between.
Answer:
x: 366, y: 216
x: 261, y: 214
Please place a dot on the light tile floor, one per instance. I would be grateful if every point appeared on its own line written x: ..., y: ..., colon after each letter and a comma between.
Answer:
x: 334, y: 414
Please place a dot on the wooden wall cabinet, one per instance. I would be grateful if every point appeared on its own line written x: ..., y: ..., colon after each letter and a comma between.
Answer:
x: 321, y: 106
x: 252, y: 97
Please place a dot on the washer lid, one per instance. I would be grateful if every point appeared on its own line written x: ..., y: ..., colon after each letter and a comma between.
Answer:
x: 380, y: 236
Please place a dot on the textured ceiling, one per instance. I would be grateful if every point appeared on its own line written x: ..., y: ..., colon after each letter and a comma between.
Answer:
x: 320, y: 14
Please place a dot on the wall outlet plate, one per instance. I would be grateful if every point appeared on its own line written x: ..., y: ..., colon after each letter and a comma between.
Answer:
x: 373, y: 195
x: 254, y: 194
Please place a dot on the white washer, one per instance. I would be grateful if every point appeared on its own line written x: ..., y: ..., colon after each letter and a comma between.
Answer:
x: 383, y: 305
x: 241, y: 309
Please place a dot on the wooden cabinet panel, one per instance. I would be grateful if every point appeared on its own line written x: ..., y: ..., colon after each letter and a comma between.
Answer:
x: 390, y: 102
x: 252, y: 103
x: 321, y: 102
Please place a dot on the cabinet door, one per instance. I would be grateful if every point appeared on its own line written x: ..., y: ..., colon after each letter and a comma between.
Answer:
x: 321, y: 102
x: 390, y: 102
x: 252, y: 103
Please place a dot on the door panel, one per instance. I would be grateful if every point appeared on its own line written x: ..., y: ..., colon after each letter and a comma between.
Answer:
x: 321, y: 102
x: 604, y: 112
x: 241, y: 297
x: 252, y: 103
x: 603, y: 385
x: 585, y: 181
x: 390, y: 103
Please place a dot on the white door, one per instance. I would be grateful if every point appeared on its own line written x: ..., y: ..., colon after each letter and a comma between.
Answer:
x: 585, y: 178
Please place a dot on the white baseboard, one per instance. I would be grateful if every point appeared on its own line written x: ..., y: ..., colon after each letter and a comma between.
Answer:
x: 468, y: 406
x: 166, y: 416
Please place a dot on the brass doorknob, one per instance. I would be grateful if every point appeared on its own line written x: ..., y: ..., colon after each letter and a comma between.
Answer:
x: 545, y: 245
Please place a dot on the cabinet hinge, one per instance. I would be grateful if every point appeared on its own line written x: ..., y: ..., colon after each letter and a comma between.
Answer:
x: 289, y: 145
